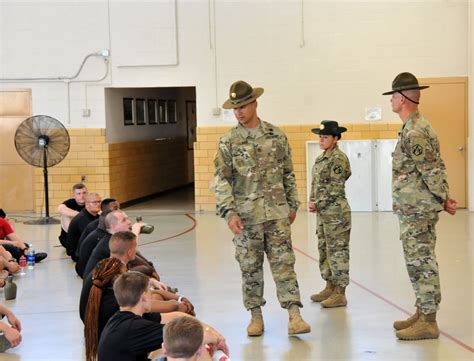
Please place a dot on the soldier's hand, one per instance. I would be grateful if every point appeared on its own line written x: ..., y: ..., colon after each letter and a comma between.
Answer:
x: 312, y: 208
x: 235, y: 225
x: 450, y: 206
x: 136, y: 228
x: 292, y: 216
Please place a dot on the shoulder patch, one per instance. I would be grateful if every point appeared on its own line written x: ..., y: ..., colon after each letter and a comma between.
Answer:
x: 337, y: 169
x: 417, y: 149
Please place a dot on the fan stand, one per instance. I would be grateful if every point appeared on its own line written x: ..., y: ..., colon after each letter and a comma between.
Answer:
x: 44, y: 220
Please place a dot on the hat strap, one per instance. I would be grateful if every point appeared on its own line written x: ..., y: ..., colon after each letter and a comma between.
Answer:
x: 409, y: 98
x: 242, y: 99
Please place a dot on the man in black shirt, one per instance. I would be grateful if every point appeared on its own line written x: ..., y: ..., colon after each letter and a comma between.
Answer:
x: 106, y: 205
x: 114, y: 222
x: 98, y: 229
x: 88, y: 244
x: 127, y: 335
x: 80, y: 222
x: 70, y: 208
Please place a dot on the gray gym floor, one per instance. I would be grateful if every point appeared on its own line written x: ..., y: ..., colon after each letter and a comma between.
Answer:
x: 194, y: 252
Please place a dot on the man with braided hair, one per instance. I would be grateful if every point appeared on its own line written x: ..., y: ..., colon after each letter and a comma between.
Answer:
x: 97, y: 301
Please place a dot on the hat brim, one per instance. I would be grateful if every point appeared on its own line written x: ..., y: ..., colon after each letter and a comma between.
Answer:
x: 230, y: 104
x: 326, y: 131
x: 405, y: 88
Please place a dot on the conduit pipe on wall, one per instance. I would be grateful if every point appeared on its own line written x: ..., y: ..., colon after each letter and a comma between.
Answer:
x: 104, y: 54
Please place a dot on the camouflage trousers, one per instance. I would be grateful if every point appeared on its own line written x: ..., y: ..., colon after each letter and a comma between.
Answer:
x: 274, y: 239
x: 418, y: 236
x: 333, y: 231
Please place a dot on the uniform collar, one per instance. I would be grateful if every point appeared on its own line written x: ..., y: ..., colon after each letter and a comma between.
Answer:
x: 244, y: 133
x: 327, y: 153
x: 411, y: 117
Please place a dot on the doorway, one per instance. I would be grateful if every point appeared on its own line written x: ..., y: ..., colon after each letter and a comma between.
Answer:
x: 444, y: 104
x: 16, y: 176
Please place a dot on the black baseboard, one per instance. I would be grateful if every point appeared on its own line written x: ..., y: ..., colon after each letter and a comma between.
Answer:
x: 152, y: 196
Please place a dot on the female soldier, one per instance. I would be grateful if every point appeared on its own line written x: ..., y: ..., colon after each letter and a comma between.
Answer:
x: 328, y: 199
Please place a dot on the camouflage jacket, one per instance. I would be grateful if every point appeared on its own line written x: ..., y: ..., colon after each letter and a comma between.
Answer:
x: 330, y: 172
x: 254, y: 175
x: 419, y: 180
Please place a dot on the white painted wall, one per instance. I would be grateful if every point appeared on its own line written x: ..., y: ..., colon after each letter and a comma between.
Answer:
x: 341, y: 61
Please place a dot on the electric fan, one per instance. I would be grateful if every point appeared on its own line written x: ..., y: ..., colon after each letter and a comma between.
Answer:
x: 42, y: 141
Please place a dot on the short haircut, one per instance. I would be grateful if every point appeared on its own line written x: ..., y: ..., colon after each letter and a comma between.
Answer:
x: 102, y: 219
x: 121, y: 242
x: 89, y: 196
x: 129, y: 287
x: 105, y: 203
x: 78, y: 186
x: 112, y: 219
x: 182, y: 337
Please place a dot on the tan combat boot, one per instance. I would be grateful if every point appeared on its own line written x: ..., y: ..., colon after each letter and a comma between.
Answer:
x: 256, y: 327
x: 324, y: 294
x: 425, y: 327
x: 402, y: 324
x: 337, y: 298
x: 296, y: 324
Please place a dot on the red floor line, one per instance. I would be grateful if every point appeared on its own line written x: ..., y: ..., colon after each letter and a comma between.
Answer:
x: 176, y: 235
x: 452, y: 338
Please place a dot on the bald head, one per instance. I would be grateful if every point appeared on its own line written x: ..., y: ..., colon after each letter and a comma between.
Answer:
x: 117, y: 221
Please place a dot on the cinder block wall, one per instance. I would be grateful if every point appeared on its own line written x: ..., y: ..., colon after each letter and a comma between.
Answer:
x: 139, y: 169
x: 298, y: 135
x: 89, y: 156
x: 125, y: 171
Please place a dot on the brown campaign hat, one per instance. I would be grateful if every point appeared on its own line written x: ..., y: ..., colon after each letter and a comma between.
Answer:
x: 405, y: 81
x: 240, y: 94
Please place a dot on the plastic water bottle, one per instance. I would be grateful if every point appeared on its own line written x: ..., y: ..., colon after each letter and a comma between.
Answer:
x: 22, y: 265
x: 219, y: 355
x: 30, y: 258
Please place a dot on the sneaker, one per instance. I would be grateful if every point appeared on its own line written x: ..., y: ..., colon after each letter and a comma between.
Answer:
x: 40, y: 256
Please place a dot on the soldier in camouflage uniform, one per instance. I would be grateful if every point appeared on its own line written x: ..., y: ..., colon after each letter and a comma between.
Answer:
x: 420, y: 191
x: 256, y: 194
x: 328, y: 199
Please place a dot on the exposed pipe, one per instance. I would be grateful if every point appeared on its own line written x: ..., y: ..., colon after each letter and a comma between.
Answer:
x: 302, y: 41
x: 215, y: 55
x: 103, y: 54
